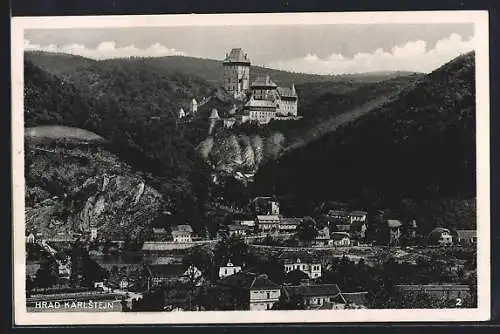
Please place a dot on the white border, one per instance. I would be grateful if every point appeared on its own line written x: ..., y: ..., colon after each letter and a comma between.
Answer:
x: 482, y: 313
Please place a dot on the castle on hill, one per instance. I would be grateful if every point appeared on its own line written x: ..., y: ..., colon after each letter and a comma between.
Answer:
x: 263, y: 99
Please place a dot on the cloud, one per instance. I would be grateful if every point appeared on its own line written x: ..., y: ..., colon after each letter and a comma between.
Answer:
x: 412, y: 56
x: 105, y: 50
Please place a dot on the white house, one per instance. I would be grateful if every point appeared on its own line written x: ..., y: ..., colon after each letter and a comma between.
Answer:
x: 306, y: 264
x: 357, y: 216
x: 228, y: 270
x: 268, y: 223
x: 182, y: 233
x: 341, y: 239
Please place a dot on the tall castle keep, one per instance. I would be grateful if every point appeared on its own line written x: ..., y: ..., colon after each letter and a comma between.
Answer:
x: 266, y: 100
x: 236, y: 73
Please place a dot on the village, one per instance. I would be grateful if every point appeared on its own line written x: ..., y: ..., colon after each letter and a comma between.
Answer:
x: 260, y: 261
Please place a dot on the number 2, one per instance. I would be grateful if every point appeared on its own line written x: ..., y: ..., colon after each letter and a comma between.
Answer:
x: 459, y: 302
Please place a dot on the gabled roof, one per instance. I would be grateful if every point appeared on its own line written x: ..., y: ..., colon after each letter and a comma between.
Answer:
x: 248, y: 281
x: 357, y: 298
x: 237, y: 55
x: 264, y: 81
x: 313, y: 290
x: 297, y: 258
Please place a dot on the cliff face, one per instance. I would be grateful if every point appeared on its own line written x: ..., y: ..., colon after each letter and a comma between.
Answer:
x: 71, y: 189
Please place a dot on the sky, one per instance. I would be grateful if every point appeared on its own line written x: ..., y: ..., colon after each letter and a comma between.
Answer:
x: 319, y: 49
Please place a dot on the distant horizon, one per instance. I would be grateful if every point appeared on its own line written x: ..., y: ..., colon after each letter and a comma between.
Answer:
x: 323, y: 49
x: 375, y: 72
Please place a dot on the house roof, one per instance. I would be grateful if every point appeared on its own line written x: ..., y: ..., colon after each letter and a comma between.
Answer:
x: 436, y: 232
x: 358, y: 298
x: 182, y: 228
x: 249, y: 281
x: 466, y: 234
x: 358, y: 213
x: 313, y: 290
x: 159, y: 230
x: 341, y: 213
x: 237, y: 55
x: 235, y: 227
x: 297, y: 258
x: 393, y: 223
x: 339, y: 235
x: 264, y: 81
x: 264, y: 218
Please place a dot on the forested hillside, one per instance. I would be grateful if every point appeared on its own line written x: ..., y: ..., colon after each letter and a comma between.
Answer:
x: 419, y: 146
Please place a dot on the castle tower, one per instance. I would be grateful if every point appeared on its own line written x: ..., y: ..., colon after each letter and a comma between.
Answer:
x: 236, y: 73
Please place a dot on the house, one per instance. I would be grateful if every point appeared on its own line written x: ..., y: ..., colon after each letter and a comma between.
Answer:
x: 337, y: 217
x: 265, y: 206
x: 323, y: 238
x: 394, y: 227
x: 341, y: 239
x: 258, y: 292
x: 172, y: 273
x: 355, y: 299
x: 440, y: 236
x: 315, y: 296
x: 440, y: 291
x: 182, y: 113
x: 237, y: 230
x: 357, y: 215
x: 268, y: 223
x: 160, y: 234
x: 303, y: 262
x: 289, y: 224
x: 245, y: 222
x: 193, y: 107
x: 182, y: 233
x: 228, y: 270
x: 357, y: 231
x: 466, y: 237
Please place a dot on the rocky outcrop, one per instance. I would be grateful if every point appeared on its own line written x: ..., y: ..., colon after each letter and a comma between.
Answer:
x: 73, y: 190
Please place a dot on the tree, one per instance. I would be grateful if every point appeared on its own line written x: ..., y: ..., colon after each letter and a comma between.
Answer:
x: 150, y: 302
x: 47, y: 274
x: 307, y: 230
x: 293, y: 302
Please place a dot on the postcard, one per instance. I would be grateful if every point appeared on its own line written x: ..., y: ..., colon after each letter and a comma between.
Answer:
x: 251, y: 168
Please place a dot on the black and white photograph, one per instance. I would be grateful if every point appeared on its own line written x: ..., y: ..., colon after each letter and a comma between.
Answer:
x: 251, y: 168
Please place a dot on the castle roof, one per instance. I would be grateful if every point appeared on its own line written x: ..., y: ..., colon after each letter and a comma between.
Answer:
x: 287, y: 92
x: 252, y: 103
x: 237, y: 56
x: 264, y: 81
